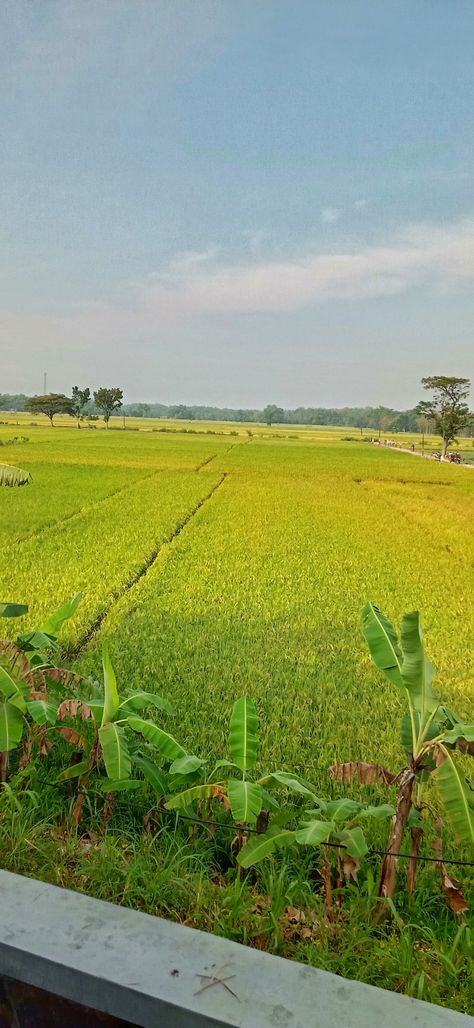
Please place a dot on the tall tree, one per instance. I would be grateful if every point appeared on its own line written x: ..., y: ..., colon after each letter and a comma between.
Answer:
x: 80, y: 399
x: 51, y: 404
x: 447, y: 411
x: 273, y: 415
x: 384, y: 418
x: 183, y: 412
x: 108, y: 401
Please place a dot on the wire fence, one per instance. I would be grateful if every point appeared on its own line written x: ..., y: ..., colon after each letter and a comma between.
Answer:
x: 332, y: 845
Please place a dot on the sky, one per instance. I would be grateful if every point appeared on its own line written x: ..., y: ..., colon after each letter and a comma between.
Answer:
x: 237, y: 202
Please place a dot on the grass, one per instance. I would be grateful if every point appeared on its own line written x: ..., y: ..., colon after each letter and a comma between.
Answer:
x: 260, y: 592
x: 423, y: 952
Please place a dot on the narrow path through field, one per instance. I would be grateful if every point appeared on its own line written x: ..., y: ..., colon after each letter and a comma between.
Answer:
x: 206, y: 461
x: 425, y: 456
x: 73, y: 652
x: 86, y: 508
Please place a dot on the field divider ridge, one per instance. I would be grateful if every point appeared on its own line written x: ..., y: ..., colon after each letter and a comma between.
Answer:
x: 205, y: 462
x: 86, y: 508
x: 73, y: 652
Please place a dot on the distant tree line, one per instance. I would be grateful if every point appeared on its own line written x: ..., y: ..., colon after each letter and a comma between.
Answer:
x: 352, y: 417
x: 105, y: 402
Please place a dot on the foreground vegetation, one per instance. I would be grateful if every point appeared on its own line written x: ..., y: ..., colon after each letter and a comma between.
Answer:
x: 258, y: 592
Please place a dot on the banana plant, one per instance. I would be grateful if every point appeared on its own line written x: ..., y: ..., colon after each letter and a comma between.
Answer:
x: 40, y: 643
x: 13, y: 610
x: 26, y: 672
x: 336, y: 823
x: 118, y: 741
x: 240, y: 795
x: 431, y: 734
x: 11, y: 476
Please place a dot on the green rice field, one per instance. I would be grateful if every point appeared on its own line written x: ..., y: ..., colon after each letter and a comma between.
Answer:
x: 224, y: 564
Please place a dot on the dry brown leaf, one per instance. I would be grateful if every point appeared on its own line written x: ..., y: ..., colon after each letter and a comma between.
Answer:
x: 73, y: 708
x: 258, y: 942
x: 62, y: 676
x: 222, y: 796
x: 292, y: 915
x: 299, y: 924
x: 73, y: 738
x: 78, y: 807
x: 452, y: 892
x: 453, y: 895
x: 45, y: 747
x: 26, y: 755
x: 465, y: 747
x: 439, y: 755
x: 366, y: 774
x: 350, y: 867
x: 262, y: 904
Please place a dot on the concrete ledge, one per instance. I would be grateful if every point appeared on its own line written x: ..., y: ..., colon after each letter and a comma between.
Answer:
x: 156, y: 973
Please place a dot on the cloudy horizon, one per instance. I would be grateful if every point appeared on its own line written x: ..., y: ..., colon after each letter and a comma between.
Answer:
x: 205, y: 203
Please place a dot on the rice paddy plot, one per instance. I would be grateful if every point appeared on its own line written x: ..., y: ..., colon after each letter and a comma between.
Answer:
x: 262, y: 594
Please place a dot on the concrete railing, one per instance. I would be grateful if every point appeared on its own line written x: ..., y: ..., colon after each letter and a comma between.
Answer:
x: 151, y: 972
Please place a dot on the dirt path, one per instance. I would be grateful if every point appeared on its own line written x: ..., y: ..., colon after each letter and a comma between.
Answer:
x: 416, y: 453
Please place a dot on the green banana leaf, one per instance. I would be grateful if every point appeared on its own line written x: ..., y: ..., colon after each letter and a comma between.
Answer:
x: 382, y: 641
x: 74, y: 771
x: 243, y: 737
x: 341, y: 810
x: 54, y: 623
x: 37, y: 641
x: 186, y: 765
x: 141, y: 700
x: 245, y: 799
x: 11, y: 726
x: 380, y: 812
x: 162, y: 741
x: 457, y: 799
x: 111, y: 696
x: 11, y: 690
x: 291, y: 781
x: 461, y: 731
x: 354, y: 841
x: 121, y: 785
x: 406, y: 731
x: 152, y: 774
x: 222, y: 763
x: 313, y: 833
x: 13, y: 610
x: 417, y: 671
x: 198, y: 792
x: 42, y: 712
x: 115, y: 751
x: 97, y: 709
x: 260, y: 846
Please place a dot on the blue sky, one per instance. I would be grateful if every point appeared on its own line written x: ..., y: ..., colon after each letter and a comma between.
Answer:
x: 237, y: 201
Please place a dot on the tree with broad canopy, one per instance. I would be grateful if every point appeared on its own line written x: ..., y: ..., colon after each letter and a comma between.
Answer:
x: 447, y: 410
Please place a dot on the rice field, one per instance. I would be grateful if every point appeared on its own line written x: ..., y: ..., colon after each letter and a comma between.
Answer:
x: 217, y: 568
x: 224, y: 565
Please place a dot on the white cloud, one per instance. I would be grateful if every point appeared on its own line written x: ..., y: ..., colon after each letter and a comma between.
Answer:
x: 183, y: 300
x: 330, y: 214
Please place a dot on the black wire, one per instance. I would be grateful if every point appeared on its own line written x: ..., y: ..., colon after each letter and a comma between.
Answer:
x: 332, y: 845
